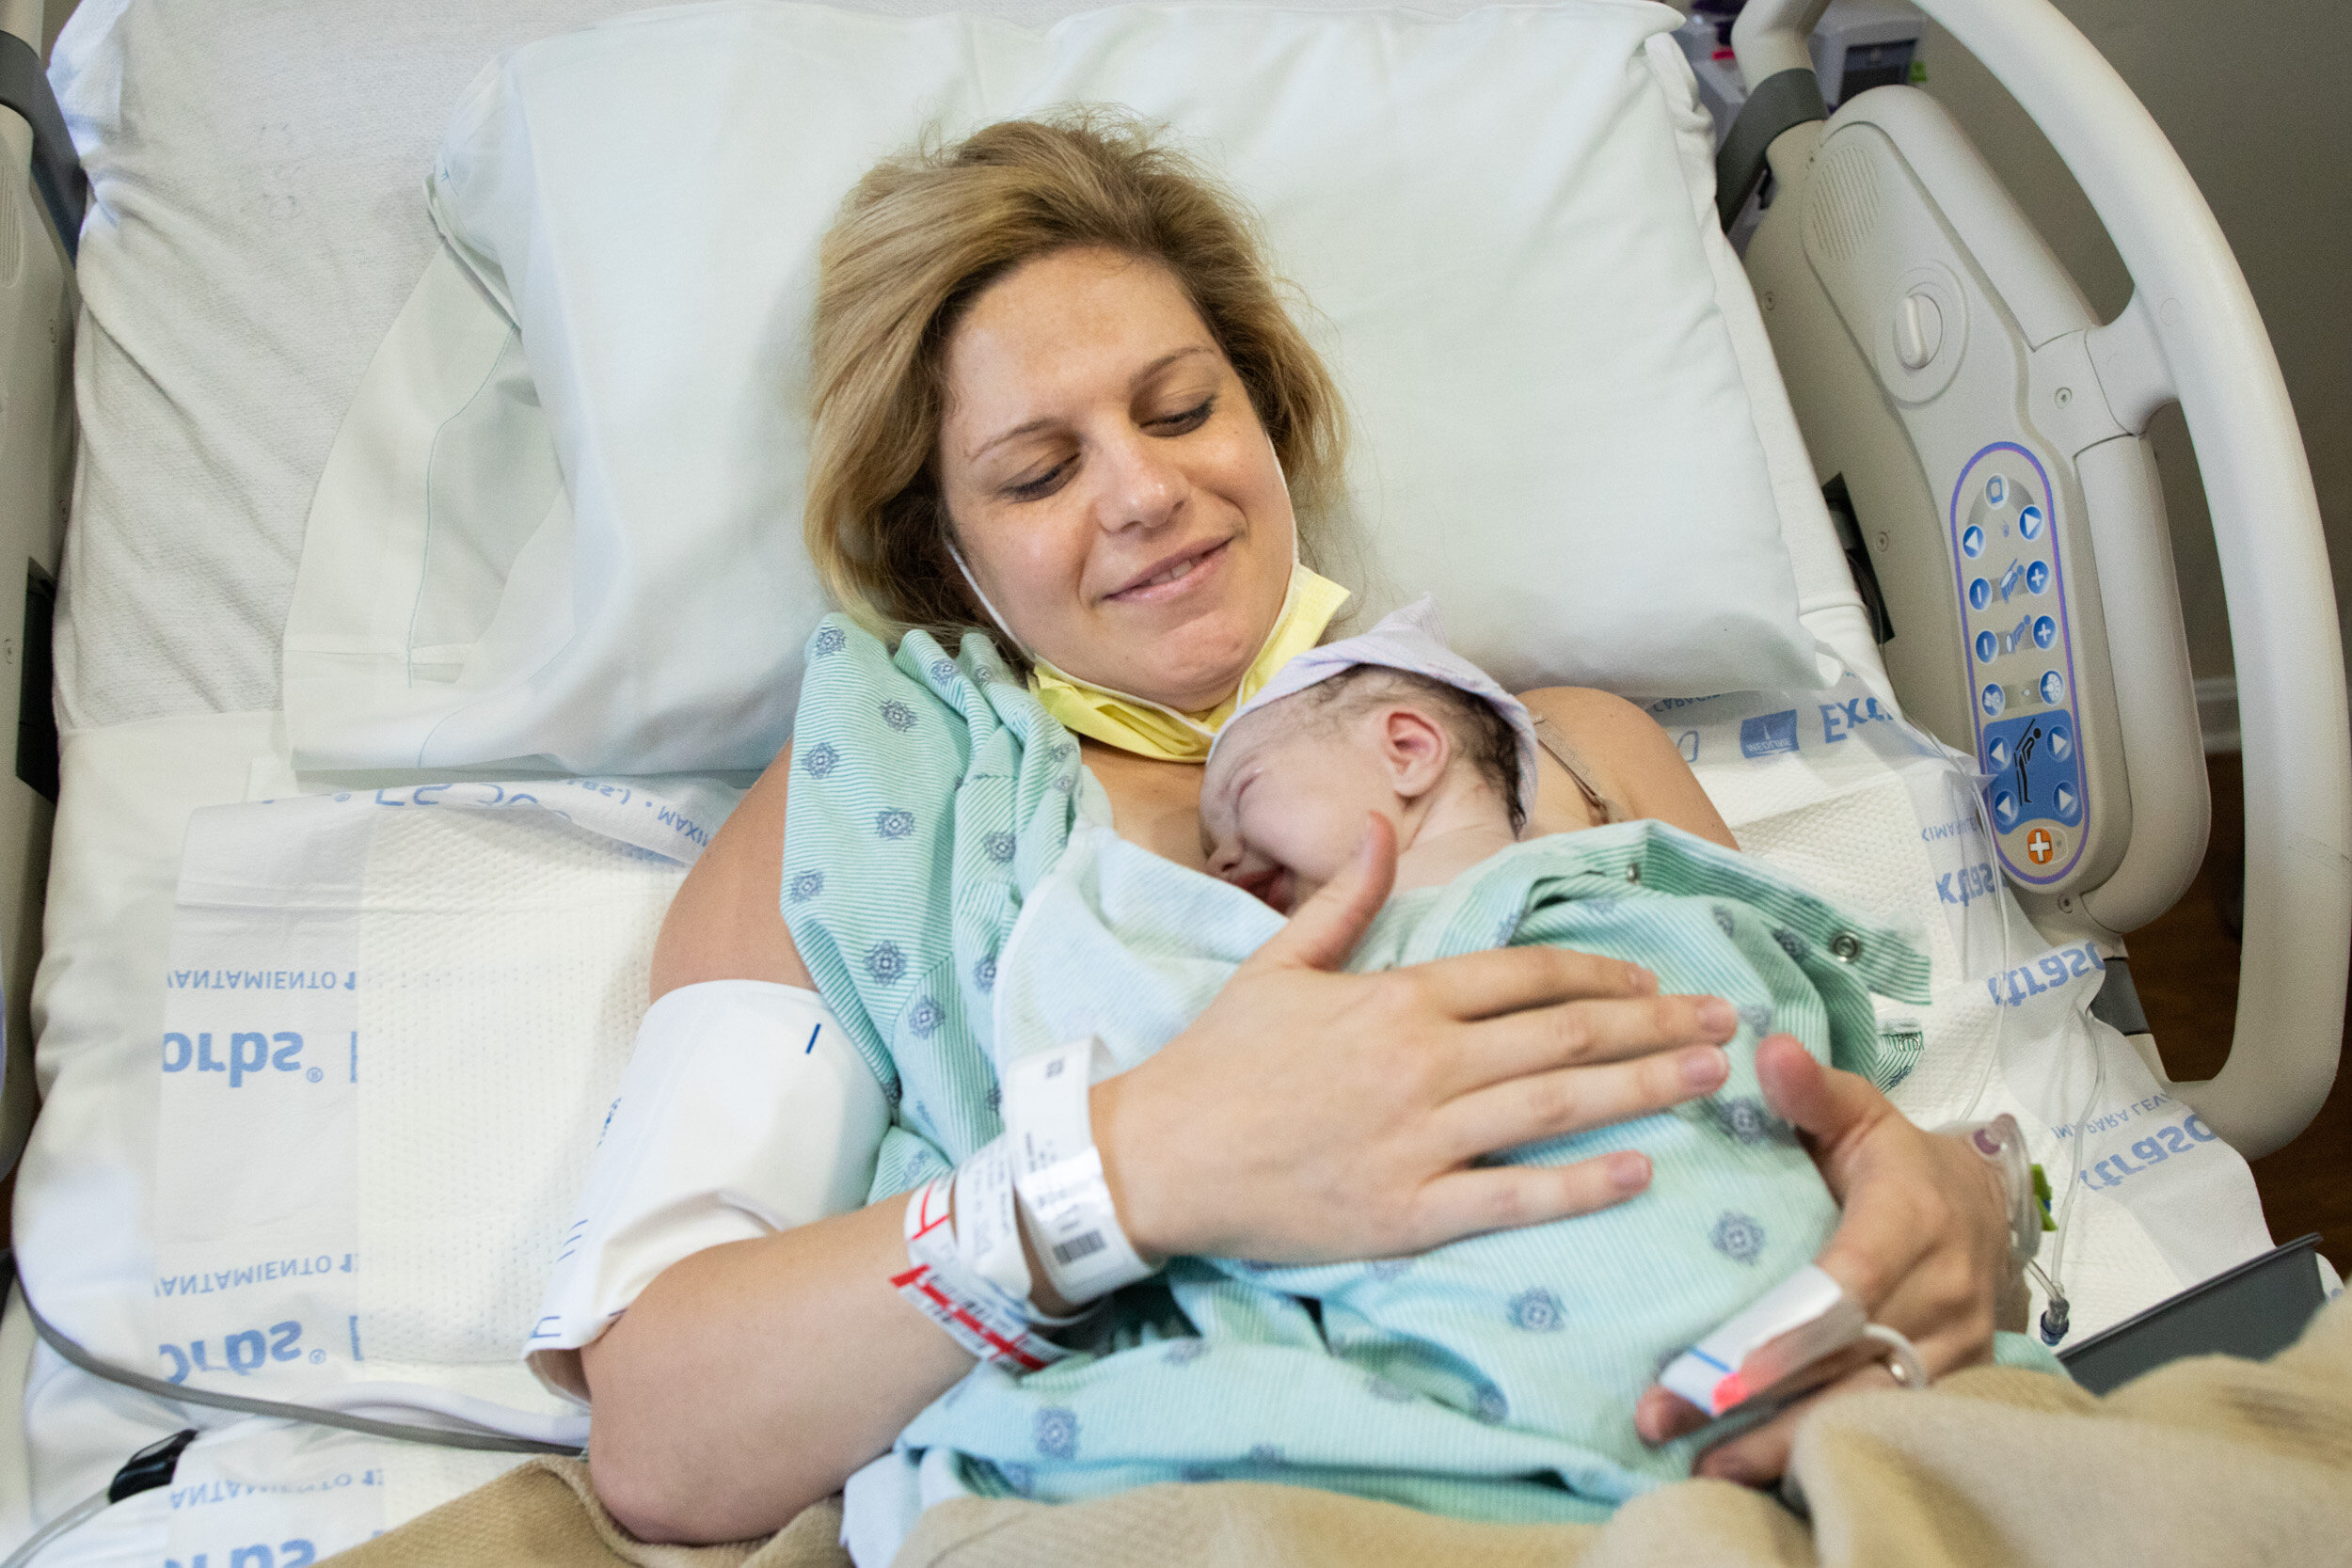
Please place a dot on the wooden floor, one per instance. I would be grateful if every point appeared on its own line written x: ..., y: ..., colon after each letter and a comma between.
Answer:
x: 2185, y: 968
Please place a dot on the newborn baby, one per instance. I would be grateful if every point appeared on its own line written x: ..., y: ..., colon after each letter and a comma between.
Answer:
x: 1494, y: 1377
x: 1290, y: 783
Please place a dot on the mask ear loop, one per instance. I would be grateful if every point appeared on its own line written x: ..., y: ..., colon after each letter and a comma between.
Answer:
x: 1003, y: 625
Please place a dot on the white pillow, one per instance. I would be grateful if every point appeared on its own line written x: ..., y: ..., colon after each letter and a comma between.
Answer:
x: 562, y: 522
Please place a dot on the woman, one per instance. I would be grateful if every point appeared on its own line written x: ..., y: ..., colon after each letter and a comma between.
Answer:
x: 1058, y: 398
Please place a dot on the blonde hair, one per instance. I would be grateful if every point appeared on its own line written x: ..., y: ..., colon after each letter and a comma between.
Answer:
x: 919, y: 239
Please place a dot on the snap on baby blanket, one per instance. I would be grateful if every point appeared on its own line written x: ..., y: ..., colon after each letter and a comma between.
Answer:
x: 562, y: 519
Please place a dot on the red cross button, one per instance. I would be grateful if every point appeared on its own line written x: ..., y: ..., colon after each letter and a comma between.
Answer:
x: 2038, y: 847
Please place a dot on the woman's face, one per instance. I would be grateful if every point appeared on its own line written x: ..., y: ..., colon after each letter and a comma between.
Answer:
x: 1108, y: 482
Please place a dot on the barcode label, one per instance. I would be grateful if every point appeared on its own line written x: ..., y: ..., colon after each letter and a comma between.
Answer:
x: 1076, y: 1248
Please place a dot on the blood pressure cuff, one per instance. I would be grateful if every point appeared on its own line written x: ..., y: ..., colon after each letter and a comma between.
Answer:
x: 743, y: 1112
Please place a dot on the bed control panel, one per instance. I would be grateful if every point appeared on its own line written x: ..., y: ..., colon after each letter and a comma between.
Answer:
x: 1938, y: 363
x: 2020, y: 661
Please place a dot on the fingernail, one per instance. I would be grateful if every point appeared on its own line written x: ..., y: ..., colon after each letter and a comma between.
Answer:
x: 1629, y: 1172
x: 1705, y: 1067
x: 1640, y: 981
x: 1716, y: 1017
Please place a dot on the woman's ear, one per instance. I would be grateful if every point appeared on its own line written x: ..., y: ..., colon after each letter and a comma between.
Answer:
x: 1417, y: 749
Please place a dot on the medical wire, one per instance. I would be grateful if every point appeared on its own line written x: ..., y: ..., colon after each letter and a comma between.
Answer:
x: 152, y: 1467
x: 73, y: 1518
x: 2058, y: 1312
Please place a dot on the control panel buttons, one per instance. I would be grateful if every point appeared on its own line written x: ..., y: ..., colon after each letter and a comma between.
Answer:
x: 2009, y: 563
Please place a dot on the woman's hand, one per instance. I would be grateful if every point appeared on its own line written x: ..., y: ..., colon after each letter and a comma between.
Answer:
x: 1924, y: 1245
x: 1309, y: 1114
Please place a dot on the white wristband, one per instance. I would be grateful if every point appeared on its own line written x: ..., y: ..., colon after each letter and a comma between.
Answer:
x: 987, y: 1231
x: 1058, y: 1174
x: 947, y: 1285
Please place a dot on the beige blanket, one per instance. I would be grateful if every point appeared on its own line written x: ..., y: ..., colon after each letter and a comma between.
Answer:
x: 2208, y: 1461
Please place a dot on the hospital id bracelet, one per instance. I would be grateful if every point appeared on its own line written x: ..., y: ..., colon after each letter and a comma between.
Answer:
x: 1064, y: 1197
x: 2001, y: 1144
x: 974, y: 1310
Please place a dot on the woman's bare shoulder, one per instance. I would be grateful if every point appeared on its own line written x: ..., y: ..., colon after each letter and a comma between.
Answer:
x: 725, y: 923
x: 1585, y: 704
x: 1634, y: 761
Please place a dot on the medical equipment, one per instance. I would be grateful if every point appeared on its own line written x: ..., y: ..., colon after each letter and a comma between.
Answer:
x: 1857, y: 45
x: 151, y: 1466
x: 132, y: 773
x: 1761, y: 1358
x: 1988, y: 429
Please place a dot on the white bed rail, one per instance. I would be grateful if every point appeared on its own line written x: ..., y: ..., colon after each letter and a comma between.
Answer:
x: 2191, y: 333
x: 37, y: 306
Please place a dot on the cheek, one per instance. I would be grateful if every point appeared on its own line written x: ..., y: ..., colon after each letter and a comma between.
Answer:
x: 1027, y: 561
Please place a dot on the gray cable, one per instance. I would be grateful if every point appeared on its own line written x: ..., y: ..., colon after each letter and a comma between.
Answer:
x: 487, y: 1442
x: 73, y: 1518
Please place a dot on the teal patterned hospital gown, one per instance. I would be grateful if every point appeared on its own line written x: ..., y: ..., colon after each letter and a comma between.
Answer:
x: 934, y: 805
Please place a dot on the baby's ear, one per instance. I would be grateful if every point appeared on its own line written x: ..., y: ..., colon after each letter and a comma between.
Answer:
x: 1417, y: 748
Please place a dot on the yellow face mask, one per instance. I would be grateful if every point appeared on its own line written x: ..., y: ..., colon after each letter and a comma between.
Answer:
x: 1150, y: 730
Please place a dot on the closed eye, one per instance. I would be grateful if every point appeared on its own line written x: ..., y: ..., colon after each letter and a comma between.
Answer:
x: 1186, y: 422
x: 1041, y: 486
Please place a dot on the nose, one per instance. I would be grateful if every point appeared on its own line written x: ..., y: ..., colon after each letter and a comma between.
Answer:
x: 1225, y: 856
x: 1142, y: 485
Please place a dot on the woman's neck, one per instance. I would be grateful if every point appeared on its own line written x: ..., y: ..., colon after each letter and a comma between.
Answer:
x: 1154, y: 805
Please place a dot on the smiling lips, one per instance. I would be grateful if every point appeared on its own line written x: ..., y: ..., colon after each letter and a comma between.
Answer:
x: 1167, y: 574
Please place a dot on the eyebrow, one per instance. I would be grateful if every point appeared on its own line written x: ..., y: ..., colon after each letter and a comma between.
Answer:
x: 1154, y: 368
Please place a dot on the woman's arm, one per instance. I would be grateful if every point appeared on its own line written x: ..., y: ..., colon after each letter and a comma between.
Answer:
x: 1627, y: 758
x: 727, y: 920
x: 749, y: 1380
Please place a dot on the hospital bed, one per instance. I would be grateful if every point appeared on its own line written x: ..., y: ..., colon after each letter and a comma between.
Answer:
x: 1974, y: 428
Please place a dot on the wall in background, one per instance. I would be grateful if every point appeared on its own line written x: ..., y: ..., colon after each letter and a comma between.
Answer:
x: 2251, y: 94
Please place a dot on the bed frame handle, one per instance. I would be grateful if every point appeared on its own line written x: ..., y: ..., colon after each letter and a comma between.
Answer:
x: 1787, y: 97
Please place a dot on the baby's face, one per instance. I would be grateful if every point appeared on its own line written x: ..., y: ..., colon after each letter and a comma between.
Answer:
x: 1282, y: 805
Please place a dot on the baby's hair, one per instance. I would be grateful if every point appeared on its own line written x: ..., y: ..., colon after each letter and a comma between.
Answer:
x: 1477, y: 727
